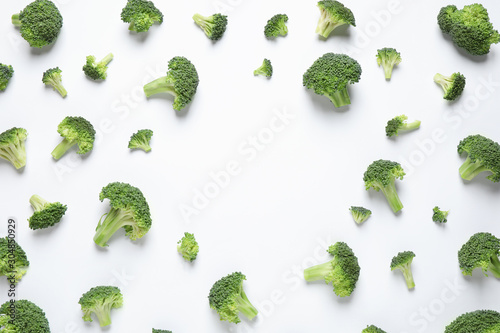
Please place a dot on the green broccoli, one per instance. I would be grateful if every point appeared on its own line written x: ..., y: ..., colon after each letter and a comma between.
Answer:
x: 181, y: 82
x: 75, y: 130
x: 452, y: 85
x: 373, y: 329
x: 483, y: 154
x: 23, y: 316
x: 13, y: 260
x: 381, y: 175
x: 52, y: 77
x: 12, y: 147
x: 342, y: 270
x: 439, y: 215
x: 403, y: 262
x: 6, y: 72
x: 333, y: 15
x: 141, y: 15
x: 330, y: 75
x: 228, y: 298
x: 479, y: 321
x: 214, y: 25
x: 97, y: 70
x: 480, y: 251
x: 161, y: 331
x: 388, y: 58
x: 469, y: 28
x: 276, y: 26
x: 399, y: 123
x: 40, y: 23
x: 360, y: 214
x: 188, y: 247
x: 100, y: 300
x: 140, y: 140
x: 129, y: 210
x: 266, y: 69
x: 46, y: 213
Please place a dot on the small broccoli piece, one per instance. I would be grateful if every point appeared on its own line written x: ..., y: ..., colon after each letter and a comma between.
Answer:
x: 399, y: 123
x: 23, y: 316
x: 360, y: 214
x: 141, y: 15
x: 161, y: 331
x: 46, y: 213
x: 12, y: 147
x: 342, y: 270
x: 479, y: 321
x: 181, y: 82
x: 373, y: 329
x: 330, y: 75
x: 100, y: 300
x: 140, y: 140
x: 228, y: 298
x: 188, y: 247
x: 381, y: 175
x: 97, y: 70
x: 439, y: 215
x: 40, y: 23
x: 75, y: 130
x: 6, y: 72
x: 214, y: 25
x: 276, y: 26
x: 266, y: 69
x: 452, y: 85
x: 13, y: 260
x: 52, y: 77
x: 403, y: 262
x: 480, y: 251
x: 333, y: 15
x: 483, y: 154
x: 388, y: 58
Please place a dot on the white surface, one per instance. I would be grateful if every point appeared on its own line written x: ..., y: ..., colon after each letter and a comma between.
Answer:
x: 289, y: 200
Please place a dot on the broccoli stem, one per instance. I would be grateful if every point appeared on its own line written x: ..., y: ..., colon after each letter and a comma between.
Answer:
x: 158, y: 86
x: 15, y: 153
x: 443, y: 81
x: 202, y: 21
x: 114, y: 220
x: 410, y: 126
x: 317, y: 272
x: 494, y: 266
x: 246, y: 307
x: 37, y: 202
x: 325, y: 27
x: 408, y: 275
x: 103, y: 314
x: 392, y: 197
x: 388, y: 67
x: 62, y: 148
x: 340, y: 98
x: 15, y: 20
x: 107, y: 59
x: 468, y: 170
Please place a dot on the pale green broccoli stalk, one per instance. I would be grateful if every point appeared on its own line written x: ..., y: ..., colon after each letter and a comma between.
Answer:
x: 483, y: 154
x: 75, y: 130
x: 388, y: 58
x: 140, y: 140
x: 23, y: 316
x: 13, y: 260
x: 439, y: 216
x: 360, y: 214
x: 12, y: 147
x: 214, y: 25
x: 266, y: 69
x: 452, y: 85
x: 399, y: 123
x: 46, y: 214
x: 97, y: 70
x: 480, y: 251
x: 141, y: 15
x: 381, y: 175
x: 373, y: 329
x: 6, y: 72
x: 52, y: 77
x: 276, y: 26
x: 403, y: 262
x: 100, y: 300
x: 479, y: 321
x: 188, y: 247
x: 333, y: 15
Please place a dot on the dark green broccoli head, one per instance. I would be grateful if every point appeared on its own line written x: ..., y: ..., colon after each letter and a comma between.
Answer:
x: 445, y: 18
x: 480, y: 321
x: 18, y: 264
x: 403, y: 262
x: 398, y: 123
x: 333, y: 15
x: 75, y: 130
x: 214, y: 25
x: 276, y: 26
x: 40, y: 23
x: 388, y: 58
x: 46, y: 213
x: 140, y: 140
x: 100, y: 300
x: 161, y: 331
x: 360, y: 214
x: 266, y: 69
x: 52, y: 77
x: 97, y: 70
x: 452, y: 85
x: 480, y: 251
x: 188, y: 247
x: 6, y: 72
x: 483, y: 154
x: 373, y: 329
x: 381, y: 175
x: 141, y: 15
x: 28, y: 318
x: 12, y: 147
x: 439, y: 215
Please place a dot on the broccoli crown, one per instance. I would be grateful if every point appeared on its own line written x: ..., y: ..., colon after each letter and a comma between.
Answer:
x: 140, y: 140
x: 46, y: 213
x: 28, y: 318
x: 100, y: 300
x: 266, y: 69
x: 188, y: 247
x: 480, y: 251
x: 97, y: 70
x: 52, y: 77
x: 480, y: 321
x: 483, y: 154
x: 141, y: 15
x: 399, y: 123
x: 6, y: 72
x: 381, y: 175
x: 161, y: 331
x: 40, y: 23
x: 403, y: 262
x: 452, y: 85
x: 388, y: 58
x: 214, y: 25
x: 439, y: 215
x: 276, y: 26
x: 228, y: 298
x: 12, y: 147
x: 333, y: 15
x: 14, y: 267
x: 469, y: 28
x: 360, y: 214
x: 75, y: 130
x: 373, y: 329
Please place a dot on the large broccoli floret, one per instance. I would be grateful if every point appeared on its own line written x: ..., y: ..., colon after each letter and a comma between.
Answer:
x: 141, y: 15
x: 452, y: 85
x: 388, y: 58
x: 266, y: 69
x: 75, y: 130
x: 439, y: 216
x: 40, y: 23
x: 381, y: 175
x: 399, y: 123
x: 13, y: 260
x: 333, y: 15
x: 330, y: 75
x: 342, y: 270
x: 23, y: 316
x: 140, y: 140
x: 52, y: 77
x: 46, y: 213
x: 480, y: 251
x: 228, y: 298
x: 6, y: 72
x: 100, y: 300
x: 483, y: 154
x: 97, y: 70
x: 373, y: 329
x: 214, y: 25
x: 480, y: 321
x: 129, y: 210
x: 360, y: 214
x: 188, y: 247
x: 12, y: 146
x: 403, y: 262
x: 276, y: 26
x: 469, y: 28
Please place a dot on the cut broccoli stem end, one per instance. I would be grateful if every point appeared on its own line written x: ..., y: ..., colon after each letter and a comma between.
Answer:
x: 340, y: 98
x: 318, y: 272
x: 245, y: 307
x: 392, y: 197
x: 468, y: 170
x: 159, y: 85
x: 62, y: 148
x: 15, y: 20
x: 114, y: 220
x: 37, y: 202
x: 388, y: 70
x: 107, y: 59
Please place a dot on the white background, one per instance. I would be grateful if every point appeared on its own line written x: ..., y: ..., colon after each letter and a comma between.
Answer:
x: 290, y: 199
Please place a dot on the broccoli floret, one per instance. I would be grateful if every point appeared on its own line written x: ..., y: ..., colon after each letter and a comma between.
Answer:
x: 342, y: 270
x: 75, y: 130
x: 439, y: 215
x: 52, y: 77
x: 12, y: 146
x: 188, y: 247
x: 141, y: 15
x: 399, y: 123
x: 6, y: 72
x: 228, y: 298
x: 129, y: 210
x: 40, y: 23
x: 214, y: 25
x: 161, y: 331
x: 23, y: 316
x: 330, y: 75
x: 333, y: 15
x: 100, y: 300
x: 388, y: 58
x: 360, y: 214
x: 469, y: 28
x: 381, y: 175
x: 373, y: 329
x: 403, y: 262
x: 140, y: 140
x: 266, y: 69
x: 46, y: 213
x: 480, y: 251
x: 480, y: 321
x: 276, y: 26
x: 452, y: 85
x: 483, y: 154
x: 13, y: 260
x: 97, y: 70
